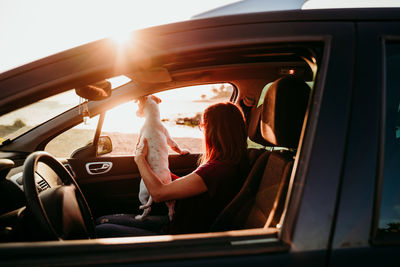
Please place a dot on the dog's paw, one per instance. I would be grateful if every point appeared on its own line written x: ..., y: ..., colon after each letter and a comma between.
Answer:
x: 139, y: 217
x: 185, y: 152
x: 146, y: 212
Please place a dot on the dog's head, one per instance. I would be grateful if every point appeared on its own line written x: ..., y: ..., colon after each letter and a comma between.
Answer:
x: 147, y: 104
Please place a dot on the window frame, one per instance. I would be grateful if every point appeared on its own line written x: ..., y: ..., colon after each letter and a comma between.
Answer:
x: 383, y: 238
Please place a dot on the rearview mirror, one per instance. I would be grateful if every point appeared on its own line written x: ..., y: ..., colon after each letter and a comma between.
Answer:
x: 98, y: 91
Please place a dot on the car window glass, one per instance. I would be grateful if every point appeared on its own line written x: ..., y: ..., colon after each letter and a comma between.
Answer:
x: 389, y: 219
x: 79, y: 136
x: 21, y: 120
x: 180, y: 111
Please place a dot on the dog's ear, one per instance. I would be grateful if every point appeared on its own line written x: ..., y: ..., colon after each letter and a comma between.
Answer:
x: 156, y: 99
x: 141, y: 103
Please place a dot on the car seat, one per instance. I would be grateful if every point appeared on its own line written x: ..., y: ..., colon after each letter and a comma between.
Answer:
x: 279, y: 122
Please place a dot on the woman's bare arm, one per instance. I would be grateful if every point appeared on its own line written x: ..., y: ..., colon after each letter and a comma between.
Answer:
x: 187, y: 186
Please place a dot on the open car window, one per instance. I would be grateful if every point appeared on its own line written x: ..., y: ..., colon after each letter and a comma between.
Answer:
x: 180, y: 111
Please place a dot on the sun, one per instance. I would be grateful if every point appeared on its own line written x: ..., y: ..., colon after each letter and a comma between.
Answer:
x: 122, y: 38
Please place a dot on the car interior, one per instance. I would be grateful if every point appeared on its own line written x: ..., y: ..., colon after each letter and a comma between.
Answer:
x: 47, y: 198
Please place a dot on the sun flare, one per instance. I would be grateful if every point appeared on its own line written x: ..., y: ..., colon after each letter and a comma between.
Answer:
x: 122, y: 38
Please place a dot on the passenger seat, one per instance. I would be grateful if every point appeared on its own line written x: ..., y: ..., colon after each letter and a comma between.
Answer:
x: 260, y: 201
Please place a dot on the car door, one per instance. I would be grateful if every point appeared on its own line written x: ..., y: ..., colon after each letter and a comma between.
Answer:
x: 370, y: 188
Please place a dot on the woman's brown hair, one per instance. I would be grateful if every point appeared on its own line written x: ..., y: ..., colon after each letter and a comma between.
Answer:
x: 225, y: 133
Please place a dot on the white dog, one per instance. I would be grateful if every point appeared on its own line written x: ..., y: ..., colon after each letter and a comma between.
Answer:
x: 158, y: 140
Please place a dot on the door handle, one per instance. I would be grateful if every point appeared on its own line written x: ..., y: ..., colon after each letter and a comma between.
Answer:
x: 94, y: 168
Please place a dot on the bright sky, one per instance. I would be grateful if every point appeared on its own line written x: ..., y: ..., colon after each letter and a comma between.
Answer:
x: 30, y: 30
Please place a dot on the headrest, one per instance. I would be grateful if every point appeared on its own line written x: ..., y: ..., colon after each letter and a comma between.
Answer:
x: 283, y: 112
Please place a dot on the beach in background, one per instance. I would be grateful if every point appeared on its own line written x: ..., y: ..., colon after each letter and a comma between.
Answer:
x: 180, y: 112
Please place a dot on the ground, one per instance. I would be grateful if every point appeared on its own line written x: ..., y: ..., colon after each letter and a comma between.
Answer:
x: 123, y: 143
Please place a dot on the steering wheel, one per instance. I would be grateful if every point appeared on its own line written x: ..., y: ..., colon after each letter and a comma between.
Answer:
x: 61, y: 211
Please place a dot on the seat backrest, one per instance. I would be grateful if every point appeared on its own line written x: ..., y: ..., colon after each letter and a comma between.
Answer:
x: 280, y: 124
x: 273, y: 180
x: 234, y: 216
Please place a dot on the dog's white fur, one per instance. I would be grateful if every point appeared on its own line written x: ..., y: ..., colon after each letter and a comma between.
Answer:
x: 158, y: 140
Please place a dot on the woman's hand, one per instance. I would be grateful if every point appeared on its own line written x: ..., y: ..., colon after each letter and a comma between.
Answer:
x: 141, y: 150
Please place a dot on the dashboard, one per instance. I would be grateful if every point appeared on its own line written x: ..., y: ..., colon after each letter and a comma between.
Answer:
x: 45, y: 177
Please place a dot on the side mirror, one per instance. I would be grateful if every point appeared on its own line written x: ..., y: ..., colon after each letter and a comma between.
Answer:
x: 104, y: 145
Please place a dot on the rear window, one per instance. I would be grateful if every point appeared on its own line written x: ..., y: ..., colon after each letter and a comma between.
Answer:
x: 389, y: 214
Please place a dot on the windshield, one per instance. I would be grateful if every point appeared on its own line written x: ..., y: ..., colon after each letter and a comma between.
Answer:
x: 22, y: 120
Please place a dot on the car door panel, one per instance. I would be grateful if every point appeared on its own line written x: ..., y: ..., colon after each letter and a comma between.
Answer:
x: 111, y: 184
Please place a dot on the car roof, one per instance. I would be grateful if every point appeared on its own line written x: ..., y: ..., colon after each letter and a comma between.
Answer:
x: 251, y: 6
x: 332, y: 14
x: 257, y: 6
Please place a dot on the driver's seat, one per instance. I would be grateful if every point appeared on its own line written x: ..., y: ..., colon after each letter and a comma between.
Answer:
x: 259, y: 202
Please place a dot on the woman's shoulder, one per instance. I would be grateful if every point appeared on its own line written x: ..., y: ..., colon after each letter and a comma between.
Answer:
x: 216, y: 164
x: 215, y: 167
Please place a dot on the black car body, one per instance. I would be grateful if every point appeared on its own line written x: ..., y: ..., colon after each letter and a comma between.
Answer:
x: 341, y: 175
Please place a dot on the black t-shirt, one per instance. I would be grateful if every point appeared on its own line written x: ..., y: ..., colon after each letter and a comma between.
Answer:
x: 196, y: 214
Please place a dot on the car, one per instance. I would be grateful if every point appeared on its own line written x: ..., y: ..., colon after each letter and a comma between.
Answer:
x: 323, y: 188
